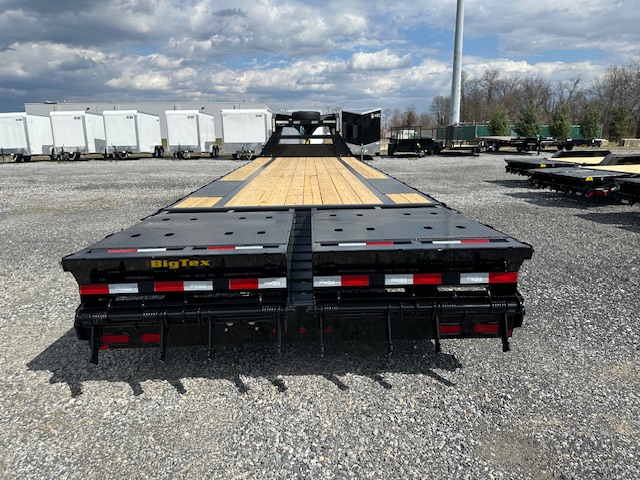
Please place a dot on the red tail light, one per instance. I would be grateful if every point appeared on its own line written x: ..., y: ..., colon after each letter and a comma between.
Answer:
x: 450, y: 329
x: 486, y: 328
x: 150, y: 338
x: 115, y: 338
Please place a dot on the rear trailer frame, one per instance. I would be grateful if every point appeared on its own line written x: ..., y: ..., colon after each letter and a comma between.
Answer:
x: 630, y: 190
x: 203, y: 272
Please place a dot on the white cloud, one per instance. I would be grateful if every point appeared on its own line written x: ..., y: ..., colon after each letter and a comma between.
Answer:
x: 332, y: 52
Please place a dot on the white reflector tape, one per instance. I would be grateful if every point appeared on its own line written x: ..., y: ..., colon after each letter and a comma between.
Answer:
x: 249, y: 247
x: 118, y: 288
x: 473, y: 278
x: 198, y: 286
x: 332, y: 281
x: 146, y: 250
x: 446, y: 242
x: 279, y: 282
x: 352, y: 244
x: 392, y: 280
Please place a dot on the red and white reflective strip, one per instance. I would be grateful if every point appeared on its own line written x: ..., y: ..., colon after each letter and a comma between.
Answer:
x: 257, y: 283
x: 341, y: 281
x: 109, y: 289
x: 363, y: 244
x: 235, y: 247
x: 460, y: 242
x: 136, y: 250
x: 413, y: 279
x: 185, y: 286
x: 391, y: 280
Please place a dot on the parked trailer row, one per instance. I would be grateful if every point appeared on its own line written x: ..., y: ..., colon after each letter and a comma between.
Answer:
x: 67, y: 135
x: 589, y: 174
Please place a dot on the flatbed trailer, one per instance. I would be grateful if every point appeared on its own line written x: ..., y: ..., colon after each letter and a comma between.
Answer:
x: 600, y: 181
x: 494, y: 143
x: 562, y: 158
x: 304, y: 243
x: 630, y: 190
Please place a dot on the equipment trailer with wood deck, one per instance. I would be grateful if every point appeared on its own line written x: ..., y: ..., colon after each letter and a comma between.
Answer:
x: 305, y: 242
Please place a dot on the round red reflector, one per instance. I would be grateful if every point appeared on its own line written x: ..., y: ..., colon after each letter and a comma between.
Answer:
x: 328, y: 329
x: 302, y: 330
x: 274, y: 331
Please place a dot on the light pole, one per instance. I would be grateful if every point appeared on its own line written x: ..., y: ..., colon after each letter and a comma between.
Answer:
x: 456, y: 81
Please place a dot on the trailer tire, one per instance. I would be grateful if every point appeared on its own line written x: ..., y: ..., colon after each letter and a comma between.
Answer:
x: 179, y: 155
x: 391, y: 149
x: 305, y: 115
x: 74, y: 156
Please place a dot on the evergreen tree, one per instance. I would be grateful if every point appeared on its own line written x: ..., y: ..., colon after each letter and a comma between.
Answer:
x: 499, y: 122
x: 619, y: 124
x: 589, y: 123
x: 528, y: 124
x: 560, y: 126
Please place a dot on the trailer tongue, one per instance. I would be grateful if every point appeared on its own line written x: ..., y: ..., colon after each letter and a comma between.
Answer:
x: 305, y: 243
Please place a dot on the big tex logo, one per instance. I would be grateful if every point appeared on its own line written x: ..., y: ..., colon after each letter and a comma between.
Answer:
x: 180, y: 263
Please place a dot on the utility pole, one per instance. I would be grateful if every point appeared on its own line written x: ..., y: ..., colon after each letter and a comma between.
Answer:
x: 456, y: 81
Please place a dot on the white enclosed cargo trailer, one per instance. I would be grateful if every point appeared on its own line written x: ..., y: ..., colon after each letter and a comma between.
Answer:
x: 191, y: 131
x: 130, y: 131
x: 245, y: 131
x: 23, y: 135
x: 76, y: 133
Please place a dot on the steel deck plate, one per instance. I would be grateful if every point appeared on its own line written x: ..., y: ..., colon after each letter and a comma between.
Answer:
x: 171, y: 229
x: 420, y: 224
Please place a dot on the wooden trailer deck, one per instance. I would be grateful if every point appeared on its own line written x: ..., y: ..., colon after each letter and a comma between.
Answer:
x: 302, y: 181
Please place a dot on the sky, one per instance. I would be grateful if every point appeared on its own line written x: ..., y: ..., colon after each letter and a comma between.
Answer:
x: 296, y: 54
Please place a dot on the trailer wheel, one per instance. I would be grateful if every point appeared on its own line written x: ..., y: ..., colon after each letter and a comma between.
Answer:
x: 215, y: 150
x: 391, y: 149
x: 179, y: 155
x: 158, y: 152
x: 74, y: 156
x: 121, y: 155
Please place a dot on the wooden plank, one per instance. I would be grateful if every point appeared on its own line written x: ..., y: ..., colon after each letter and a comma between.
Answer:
x: 618, y: 168
x: 198, y: 202
x: 328, y: 190
x: 400, y: 198
x: 304, y: 181
x: 312, y: 195
x: 246, y: 171
x: 363, y: 169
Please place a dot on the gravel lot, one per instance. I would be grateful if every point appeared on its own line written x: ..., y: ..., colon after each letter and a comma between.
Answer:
x: 564, y: 403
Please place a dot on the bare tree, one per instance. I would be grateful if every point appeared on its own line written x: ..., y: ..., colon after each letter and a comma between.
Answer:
x: 440, y: 107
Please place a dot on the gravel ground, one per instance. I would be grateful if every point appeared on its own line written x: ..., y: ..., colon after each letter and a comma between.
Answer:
x: 563, y: 403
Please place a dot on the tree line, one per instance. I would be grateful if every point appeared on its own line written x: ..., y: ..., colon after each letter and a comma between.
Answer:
x: 610, y: 102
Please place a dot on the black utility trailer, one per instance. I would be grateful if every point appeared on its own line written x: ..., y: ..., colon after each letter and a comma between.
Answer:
x: 304, y: 243
x: 601, y: 181
x: 561, y: 158
x: 410, y: 141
